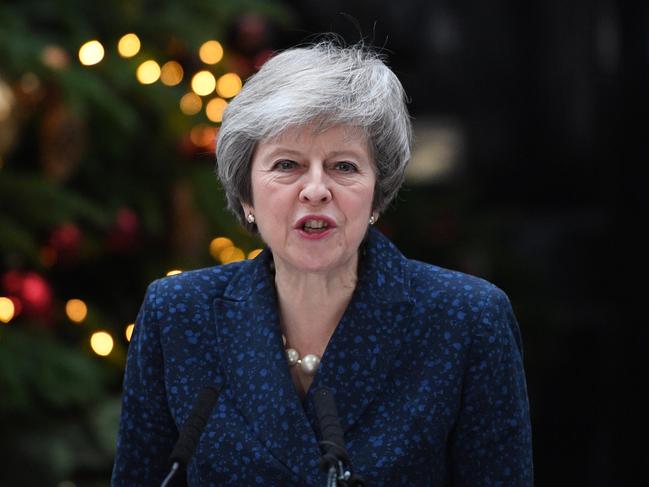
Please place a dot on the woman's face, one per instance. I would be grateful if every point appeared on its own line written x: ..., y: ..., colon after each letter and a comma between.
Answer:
x: 312, y: 196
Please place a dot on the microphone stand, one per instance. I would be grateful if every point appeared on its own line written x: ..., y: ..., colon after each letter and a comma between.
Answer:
x: 170, y: 476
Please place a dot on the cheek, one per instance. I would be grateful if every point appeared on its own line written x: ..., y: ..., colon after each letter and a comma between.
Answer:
x: 358, y: 211
x: 362, y: 200
x: 263, y: 197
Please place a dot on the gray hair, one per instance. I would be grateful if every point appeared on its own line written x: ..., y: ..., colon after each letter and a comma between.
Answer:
x: 324, y: 83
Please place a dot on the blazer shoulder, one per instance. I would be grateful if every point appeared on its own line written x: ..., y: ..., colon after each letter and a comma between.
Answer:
x: 425, y: 275
x: 453, y: 290
x: 181, y: 304
x: 467, y: 307
x: 206, y: 283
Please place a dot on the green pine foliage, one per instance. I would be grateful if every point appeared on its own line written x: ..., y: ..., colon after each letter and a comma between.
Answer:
x: 98, y: 181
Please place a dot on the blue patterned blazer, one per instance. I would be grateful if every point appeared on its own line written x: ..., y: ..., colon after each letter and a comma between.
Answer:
x: 425, y: 365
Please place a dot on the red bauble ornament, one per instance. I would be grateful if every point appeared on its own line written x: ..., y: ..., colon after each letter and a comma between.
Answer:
x: 124, y: 234
x: 127, y: 221
x: 65, y: 241
x: 31, y: 292
x: 36, y: 294
x: 253, y: 32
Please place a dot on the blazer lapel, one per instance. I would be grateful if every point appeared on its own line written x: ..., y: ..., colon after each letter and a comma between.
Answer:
x: 356, y: 364
x: 257, y: 375
x: 365, y: 346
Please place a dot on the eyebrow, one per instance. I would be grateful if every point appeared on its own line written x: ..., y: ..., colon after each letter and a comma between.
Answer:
x: 282, y: 150
x: 279, y: 149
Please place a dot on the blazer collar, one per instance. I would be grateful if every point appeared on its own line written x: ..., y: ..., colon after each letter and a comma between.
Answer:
x: 356, y: 364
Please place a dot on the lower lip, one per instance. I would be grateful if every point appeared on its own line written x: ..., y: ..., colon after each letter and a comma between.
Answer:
x: 315, y: 235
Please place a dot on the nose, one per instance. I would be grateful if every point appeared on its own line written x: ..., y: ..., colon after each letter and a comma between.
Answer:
x: 316, y: 188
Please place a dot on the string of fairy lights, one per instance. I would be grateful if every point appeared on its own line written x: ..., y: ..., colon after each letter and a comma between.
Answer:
x: 203, y: 83
x: 206, y: 92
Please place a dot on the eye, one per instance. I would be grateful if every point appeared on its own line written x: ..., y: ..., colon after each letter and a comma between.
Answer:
x: 345, y: 166
x: 284, y: 165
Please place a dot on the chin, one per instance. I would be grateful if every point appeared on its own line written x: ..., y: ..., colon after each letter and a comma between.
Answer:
x: 315, y: 265
x: 322, y: 263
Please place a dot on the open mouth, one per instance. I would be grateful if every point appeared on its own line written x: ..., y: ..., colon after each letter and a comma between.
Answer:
x: 315, y: 226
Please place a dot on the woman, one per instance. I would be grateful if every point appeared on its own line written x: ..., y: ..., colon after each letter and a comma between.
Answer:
x: 425, y: 363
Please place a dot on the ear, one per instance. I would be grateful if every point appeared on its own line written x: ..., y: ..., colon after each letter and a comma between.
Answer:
x: 247, y: 208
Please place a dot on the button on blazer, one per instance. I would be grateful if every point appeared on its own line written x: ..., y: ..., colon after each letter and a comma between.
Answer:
x: 425, y: 366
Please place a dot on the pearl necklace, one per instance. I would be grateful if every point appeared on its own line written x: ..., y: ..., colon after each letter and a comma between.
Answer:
x: 308, y: 364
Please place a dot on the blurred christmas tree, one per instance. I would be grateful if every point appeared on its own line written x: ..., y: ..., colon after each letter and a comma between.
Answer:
x: 108, y: 116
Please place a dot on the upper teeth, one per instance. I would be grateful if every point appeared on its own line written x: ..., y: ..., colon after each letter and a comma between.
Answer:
x: 315, y: 224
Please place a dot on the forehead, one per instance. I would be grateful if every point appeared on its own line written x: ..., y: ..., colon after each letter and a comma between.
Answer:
x: 348, y: 135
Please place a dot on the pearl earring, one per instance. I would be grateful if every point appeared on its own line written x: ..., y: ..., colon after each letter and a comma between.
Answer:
x: 372, y: 220
x: 250, y: 218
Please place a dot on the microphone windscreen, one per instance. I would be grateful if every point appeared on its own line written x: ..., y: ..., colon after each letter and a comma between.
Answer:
x: 327, y: 415
x: 193, y: 427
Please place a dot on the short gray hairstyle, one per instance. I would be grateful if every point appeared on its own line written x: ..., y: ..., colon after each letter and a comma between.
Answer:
x: 326, y: 83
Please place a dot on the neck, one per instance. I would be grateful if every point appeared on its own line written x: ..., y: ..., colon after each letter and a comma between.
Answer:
x: 312, y: 304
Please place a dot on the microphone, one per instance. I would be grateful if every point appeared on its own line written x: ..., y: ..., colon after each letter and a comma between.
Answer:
x: 191, y: 431
x: 335, y: 460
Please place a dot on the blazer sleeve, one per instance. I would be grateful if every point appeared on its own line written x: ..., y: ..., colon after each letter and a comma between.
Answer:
x: 491, y: 443
x: 147, y: 432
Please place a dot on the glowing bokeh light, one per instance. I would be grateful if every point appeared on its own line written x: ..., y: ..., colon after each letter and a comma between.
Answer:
x: 174, y: 272
x: 218, y: 244
x: 171, y: 73
x: 7, y: 309
x: 29, y: 83
x: 92, y: 52
x: 203, y: 83
x: 215, y: 108
x: 56, y: 57
x: 231, y: 254
x: 101, y: 343
x: 211, y: 52
x: 255, y: 253
x: 129, y: 331
x: 148, y: 72
x: 191, y: 104
x: 76, y: 310
x: 129, y: 45
x: 229, y: 85
x: 7, y: 100
x: 203, y: 135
